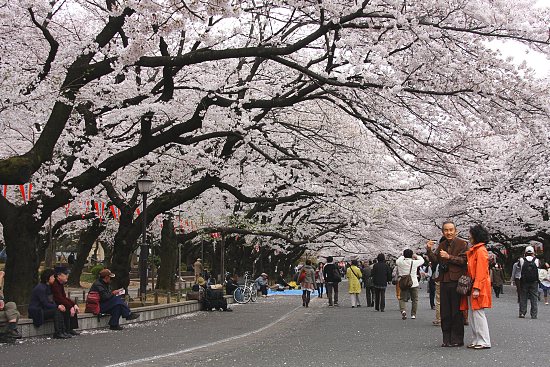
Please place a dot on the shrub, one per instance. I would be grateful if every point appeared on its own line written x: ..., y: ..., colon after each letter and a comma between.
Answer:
x: 96, y: 269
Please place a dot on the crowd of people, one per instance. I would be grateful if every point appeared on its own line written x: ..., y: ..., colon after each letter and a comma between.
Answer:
x: 460, y: 277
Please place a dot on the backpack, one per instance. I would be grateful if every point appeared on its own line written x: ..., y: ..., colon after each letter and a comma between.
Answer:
x: 302, y: 276
x: 92, y: 303
x: 529, y: 271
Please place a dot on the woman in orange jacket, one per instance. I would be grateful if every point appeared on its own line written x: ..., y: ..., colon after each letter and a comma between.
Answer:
x: 481, y: 297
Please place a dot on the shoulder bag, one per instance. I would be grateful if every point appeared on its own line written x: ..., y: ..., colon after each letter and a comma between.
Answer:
x: 406, y: 282
x: 464, y: 286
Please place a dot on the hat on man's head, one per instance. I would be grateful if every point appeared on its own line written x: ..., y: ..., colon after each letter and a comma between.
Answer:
x: 529, y: 250
x: 61, y: 270
x: 201, y: 281
x: 263, y: 274
x: 199, y: 259
x: 106, y: 272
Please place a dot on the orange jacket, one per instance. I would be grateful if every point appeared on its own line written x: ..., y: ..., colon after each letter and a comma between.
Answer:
x: 478, y: 270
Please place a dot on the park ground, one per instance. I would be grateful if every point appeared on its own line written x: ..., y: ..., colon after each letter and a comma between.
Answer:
x: 278, y: 331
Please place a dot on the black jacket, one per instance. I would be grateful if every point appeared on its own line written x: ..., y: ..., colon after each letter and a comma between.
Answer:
x: 104, y: 290
x: 328, y: 273
x: 381, y: 274
x: 41, y: 300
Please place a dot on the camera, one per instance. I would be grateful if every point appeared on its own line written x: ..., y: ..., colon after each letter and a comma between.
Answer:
x: 443, y: 267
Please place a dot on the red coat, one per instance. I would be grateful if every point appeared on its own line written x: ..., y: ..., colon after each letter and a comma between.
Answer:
x: 478, y: 270
x: 59, y: 297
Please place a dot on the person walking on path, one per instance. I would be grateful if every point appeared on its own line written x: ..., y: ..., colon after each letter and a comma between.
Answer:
x: 307, y: 282
x: 369, y: 285
x: 320, y: 280
x: 451, y: 257
x: 354, y: 285
x: 544, y: 278
x: 331, y: 273
x: 481, y: 295
x: 529, y: 280
x: 197, y: 267
x: 497, y: 279
x: 381, y: 274
x: 516, y: 279
x: 407, y: 264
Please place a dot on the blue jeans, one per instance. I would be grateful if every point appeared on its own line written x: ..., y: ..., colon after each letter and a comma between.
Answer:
x: 116, y: 308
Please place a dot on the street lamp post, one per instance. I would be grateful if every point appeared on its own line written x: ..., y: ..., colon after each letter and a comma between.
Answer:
x: 144, y: 186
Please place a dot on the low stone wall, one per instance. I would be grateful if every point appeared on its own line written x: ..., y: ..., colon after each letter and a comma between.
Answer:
x: 87, y: 321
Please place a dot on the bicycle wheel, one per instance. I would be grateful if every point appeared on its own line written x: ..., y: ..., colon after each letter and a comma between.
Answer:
x: 253, y: 293
x: 238, y: 295
x: 247, y: 295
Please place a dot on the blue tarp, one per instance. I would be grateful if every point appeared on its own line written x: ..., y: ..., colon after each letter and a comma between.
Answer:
x: 289, y: 292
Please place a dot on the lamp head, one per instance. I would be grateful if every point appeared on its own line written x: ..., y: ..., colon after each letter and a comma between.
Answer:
x: 144, y: 185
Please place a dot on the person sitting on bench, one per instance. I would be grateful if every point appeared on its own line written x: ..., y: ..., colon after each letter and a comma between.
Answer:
x: 42, y: 307
x: 110, y: 302
x: 70, y: 314
x: 9, y: 316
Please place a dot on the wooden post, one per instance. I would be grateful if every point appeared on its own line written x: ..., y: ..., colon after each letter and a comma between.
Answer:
x: 168, y: 297
x: 156, y: 297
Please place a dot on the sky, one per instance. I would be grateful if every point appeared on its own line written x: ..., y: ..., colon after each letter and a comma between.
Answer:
x: 538, y: 61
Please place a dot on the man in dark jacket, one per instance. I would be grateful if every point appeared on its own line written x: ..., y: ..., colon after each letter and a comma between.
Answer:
x: 451, y: 257
x: 330, y: 272
x: 71, y: 310
x: 110, y: 302
x: 381, y: 276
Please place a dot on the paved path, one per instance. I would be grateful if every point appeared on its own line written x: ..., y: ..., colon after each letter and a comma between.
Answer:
x: 279, y: 332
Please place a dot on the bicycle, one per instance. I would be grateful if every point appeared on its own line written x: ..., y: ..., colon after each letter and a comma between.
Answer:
x: 246, y: 292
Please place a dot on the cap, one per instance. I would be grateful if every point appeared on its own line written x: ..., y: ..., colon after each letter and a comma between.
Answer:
x: 529, y: 250
x: 199, y: 259
x: 106, y: 272
x: 263, y: 274
x: 61, y: 270
x: 201, y: 281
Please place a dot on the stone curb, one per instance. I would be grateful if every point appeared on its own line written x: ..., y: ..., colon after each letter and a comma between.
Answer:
x: 88, y: 321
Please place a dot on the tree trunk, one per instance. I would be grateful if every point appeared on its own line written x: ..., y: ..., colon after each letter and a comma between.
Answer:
x: 168, y: 256
x: 22, y: 240
x: 122, y: 251
x: 85, y: 244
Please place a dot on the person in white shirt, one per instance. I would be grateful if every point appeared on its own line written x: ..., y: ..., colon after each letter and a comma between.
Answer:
x: 408, y: 264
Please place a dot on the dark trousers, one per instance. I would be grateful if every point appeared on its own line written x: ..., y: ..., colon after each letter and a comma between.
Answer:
x: 431, y: 291
x: 498, y: 290
x: 263, y: 290
x: 320, y: 289
x: 116, y: 308
x: 379, y: 299
x: 529, y: 291
x: 70, y: 323
x: 332, y: 287
x: 369, y: 292
x: 517, y: 282
x: 57, y: 316
x: 452, y: 320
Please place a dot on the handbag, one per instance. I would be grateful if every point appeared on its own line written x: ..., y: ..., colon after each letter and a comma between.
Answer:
x: 406, y: 282
x: 336, y: 275
x: 464, y: 286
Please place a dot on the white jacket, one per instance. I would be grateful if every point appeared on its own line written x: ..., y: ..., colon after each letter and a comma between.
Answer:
x: 404, y: 266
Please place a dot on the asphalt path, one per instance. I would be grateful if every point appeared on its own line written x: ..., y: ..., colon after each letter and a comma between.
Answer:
x: 277, y: 331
